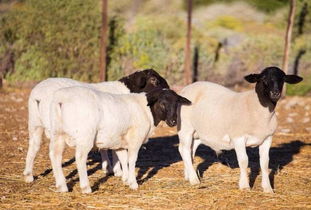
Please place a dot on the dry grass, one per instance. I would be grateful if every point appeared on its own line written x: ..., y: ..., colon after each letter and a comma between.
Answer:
x: 160, y: 169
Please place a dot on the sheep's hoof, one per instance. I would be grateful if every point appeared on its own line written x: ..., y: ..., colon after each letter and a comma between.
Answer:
x: 107, y: 171
x: 86, y: 189
x: 29, y: 178
x: 134, y: 186
x: 118, y: 172
x: 61, y: 188
x: 194, y: 181
x: 124, y: 179
x: 186, y: 176
x: 268, y: 190
x: 247, y: 188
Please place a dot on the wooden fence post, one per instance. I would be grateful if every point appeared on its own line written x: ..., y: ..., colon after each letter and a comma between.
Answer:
x: 103, y: 42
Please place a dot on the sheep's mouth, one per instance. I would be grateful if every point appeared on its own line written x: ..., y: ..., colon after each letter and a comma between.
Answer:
x: 275, y: 96
x: 171, y: 123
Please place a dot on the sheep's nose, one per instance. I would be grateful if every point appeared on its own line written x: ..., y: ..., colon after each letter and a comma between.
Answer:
x: 275, y: 95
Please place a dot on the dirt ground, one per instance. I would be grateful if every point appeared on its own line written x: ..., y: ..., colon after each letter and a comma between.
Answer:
x: 159, y: 169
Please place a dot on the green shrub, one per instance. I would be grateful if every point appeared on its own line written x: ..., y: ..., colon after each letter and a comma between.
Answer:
x: 52, y: 38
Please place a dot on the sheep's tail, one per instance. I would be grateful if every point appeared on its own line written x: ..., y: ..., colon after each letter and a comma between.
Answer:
x: 34, y: 118
x: 56, y: 117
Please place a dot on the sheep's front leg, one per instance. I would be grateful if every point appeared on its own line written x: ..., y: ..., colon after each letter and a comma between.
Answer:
x: 35, y: 136
x: 132, y: 157
x: 185, y: 152
x: 123, y: 157
x: 81, y: 158
x: 116, y: 164
x: 240, y: 149
x: 264, y: 164
x: 57, y: 145
x: 106, y: 166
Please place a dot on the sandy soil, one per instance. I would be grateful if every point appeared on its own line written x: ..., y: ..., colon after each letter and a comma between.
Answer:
x: 159, y: 169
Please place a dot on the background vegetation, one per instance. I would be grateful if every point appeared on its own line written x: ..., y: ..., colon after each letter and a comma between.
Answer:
x: 60, y: 38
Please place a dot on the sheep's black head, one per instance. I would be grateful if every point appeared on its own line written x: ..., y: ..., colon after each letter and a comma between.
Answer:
x: 144, y: 81
x: 271, y: 81
x: 164, y: 105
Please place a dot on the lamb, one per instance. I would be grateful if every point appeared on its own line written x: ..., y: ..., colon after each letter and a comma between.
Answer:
x: 223, y: 120
x: 41, y: 96
x: 119, y: 122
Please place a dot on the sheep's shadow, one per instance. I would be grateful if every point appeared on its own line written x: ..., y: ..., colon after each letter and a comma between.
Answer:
x: 93, y: 159
x: 162, y: 152
x: 280, y: 156
x: 49, y: 170
x: 158, y: 153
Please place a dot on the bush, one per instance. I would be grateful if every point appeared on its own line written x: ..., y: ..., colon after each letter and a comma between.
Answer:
x: 52, y: 38
x: 61, y: 38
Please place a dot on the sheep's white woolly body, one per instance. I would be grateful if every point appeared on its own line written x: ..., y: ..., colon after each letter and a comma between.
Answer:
x: 39, y: 115
x: 43, y: 93
x: 79, y: 115
x: 108, y: 113
x: 220, y: 115
x: 225, y: 120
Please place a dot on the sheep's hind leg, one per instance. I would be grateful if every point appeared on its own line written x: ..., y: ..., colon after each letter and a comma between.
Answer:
x: 116, y: 164
x: 132, y: 157
x: 123, y: 157
x: 196, y: 143
x: 57, y: 145
x: 106, y: 166
x: 35, y: 137
x: 81, y: 158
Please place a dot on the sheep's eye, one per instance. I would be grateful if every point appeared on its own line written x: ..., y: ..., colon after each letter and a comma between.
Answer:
x: 265, y: 82
x: 154, y: 81
x: 162, y: 106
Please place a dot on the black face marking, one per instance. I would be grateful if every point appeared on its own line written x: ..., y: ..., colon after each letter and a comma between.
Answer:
x: 269, y: 83
x: 144, y: 81
x: 164, y: 105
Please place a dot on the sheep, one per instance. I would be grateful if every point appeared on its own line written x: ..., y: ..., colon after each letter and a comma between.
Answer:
x: 41, y: 97
x: 119, y: 122
x: 223, y: 120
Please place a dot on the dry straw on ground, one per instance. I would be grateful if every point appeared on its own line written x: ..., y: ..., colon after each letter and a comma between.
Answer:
x: 159, y: 170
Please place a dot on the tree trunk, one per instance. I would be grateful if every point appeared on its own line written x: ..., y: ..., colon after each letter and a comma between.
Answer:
x: 103, y: 42
x: 288, y: 36
x: 187, y: 67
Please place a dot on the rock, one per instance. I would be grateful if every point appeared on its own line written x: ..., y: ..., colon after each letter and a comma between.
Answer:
x: 14, y: 138
x: 306, y: 120
x: 293, y: 114
x: 289, y: 120
x: 285, y: 130
x: 293, y: 102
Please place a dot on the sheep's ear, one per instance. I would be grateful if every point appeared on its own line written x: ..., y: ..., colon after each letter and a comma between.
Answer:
x: 151, y: 100
x: 292, y: 79
x: 252, y: 78
x: 184, y: 101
